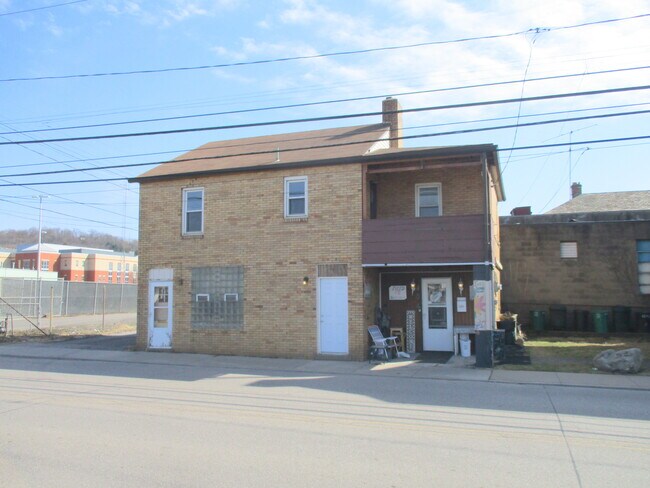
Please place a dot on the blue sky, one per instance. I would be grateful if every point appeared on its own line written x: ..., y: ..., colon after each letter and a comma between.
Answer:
x: 98, y: 36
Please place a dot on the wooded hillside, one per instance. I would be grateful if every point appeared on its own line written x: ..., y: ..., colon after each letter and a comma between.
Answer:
x: 9, y: 239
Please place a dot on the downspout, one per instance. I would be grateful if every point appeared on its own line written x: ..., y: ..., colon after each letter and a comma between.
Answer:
x: 488, y: 223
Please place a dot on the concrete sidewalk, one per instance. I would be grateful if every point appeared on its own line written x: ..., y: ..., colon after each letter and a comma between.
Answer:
x: 460, y: 369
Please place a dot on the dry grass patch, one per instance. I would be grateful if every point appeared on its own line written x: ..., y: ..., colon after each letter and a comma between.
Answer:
x: 61, y: 334
x: 575, y: 354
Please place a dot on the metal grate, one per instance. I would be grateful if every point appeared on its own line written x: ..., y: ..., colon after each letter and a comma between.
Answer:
x: 332, y: 270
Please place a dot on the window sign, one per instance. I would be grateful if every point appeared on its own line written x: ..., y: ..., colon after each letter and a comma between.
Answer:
x: 397, y: 292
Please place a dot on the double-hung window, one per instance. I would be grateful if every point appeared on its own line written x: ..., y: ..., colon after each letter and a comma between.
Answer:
x: 295, y: 197
x: 192, y: 211
x: 428, y: 200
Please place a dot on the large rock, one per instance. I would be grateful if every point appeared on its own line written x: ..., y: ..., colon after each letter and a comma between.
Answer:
x: 625, y: 361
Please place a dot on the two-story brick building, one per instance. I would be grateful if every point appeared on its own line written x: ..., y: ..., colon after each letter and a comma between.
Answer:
x: 289, y: 245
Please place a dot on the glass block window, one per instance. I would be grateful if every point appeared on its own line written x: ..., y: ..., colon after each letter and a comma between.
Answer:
x: 295, y: 197
x: 193, y: 211
x: 217, y: 297
x: 427, y: 200
x: 643, y: 258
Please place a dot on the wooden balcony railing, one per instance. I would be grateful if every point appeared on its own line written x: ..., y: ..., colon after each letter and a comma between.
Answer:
x: 447, y: 239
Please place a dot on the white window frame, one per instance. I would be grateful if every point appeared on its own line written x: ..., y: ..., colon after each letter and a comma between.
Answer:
x: 185, y: 211
x: 418, y: 186
x: 291, y: 179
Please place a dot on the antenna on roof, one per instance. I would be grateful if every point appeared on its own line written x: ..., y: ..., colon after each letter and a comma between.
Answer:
x: 277, y: 156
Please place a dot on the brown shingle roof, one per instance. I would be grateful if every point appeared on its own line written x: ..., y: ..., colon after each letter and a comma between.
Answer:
x: 264, y: 151
x: 605, y: 202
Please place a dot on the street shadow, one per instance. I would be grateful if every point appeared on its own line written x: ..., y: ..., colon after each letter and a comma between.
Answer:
x: 489, y: 399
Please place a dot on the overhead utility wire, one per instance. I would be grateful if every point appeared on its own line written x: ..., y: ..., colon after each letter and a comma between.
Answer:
x: 332, y: 54
x: 520, y: 148
x: 444, y: 124
x: 41, y: 8
x: 326, y: 102
x: 68, y: 215
x: 323, y: 146
x: 330, y: 117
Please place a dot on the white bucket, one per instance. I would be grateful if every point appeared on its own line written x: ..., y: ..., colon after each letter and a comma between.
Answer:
x: 465, y: 346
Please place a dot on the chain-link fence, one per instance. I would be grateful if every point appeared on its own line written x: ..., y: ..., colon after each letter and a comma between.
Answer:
x: 65, y: 297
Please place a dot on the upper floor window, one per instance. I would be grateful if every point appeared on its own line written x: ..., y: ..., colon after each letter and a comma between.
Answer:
x: 193, y: 211
x: 643, y: 258
x: 110, y: 266
x: 428, y: 198
x: 295, y: 197
x: 45, y: 265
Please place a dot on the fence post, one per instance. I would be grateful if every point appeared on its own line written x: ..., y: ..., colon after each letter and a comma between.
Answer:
x: 95, y: 299
x: 51, y: 307
x: 66, y: 287
x: 103, y: 306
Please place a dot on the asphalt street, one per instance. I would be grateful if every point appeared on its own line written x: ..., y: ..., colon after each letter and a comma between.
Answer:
x: 135, y: 419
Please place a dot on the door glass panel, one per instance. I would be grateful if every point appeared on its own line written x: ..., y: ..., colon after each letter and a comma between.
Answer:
x: 437, y: 317
x: 437, y: 294
x: 161, y: 306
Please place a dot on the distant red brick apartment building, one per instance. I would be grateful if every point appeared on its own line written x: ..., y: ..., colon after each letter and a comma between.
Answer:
x: 77, y: 264
x: 291, y: 245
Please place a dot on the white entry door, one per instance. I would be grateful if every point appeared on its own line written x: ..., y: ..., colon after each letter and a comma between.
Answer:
x: 161, y: 301
x: 333, y: 315
x: 437, y: 315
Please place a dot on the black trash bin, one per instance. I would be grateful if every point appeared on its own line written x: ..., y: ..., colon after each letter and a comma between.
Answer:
x: 622, y: 316
x: 644, y: 322
x: 581, y: 320
x: 558, y: 317
x: 510, y: 328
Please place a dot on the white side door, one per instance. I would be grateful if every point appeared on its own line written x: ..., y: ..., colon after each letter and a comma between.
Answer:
x: 333, y: 315
x: 161, y: 301
x: 437, y: 315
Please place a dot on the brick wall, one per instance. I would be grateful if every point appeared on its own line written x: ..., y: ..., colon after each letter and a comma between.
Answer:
x: 603, y: 276
x: 462, y: 191
x: 245, y: 225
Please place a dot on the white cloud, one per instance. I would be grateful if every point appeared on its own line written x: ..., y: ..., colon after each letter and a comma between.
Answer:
x: 165, y: 13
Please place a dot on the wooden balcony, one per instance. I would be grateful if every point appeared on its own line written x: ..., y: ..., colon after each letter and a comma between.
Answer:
x: 448, y: 239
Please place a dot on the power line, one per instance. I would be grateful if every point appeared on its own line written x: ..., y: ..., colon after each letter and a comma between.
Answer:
x: 68, y: 215
x: 329, y: 117
x: 326, y: 102
x: 41, y: 8
x: 536, y: 30
x: 520, y: 148
x: 249, y: 144
x: 327, y: 146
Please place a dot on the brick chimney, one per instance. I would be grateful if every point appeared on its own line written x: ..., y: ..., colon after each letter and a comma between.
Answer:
x: 390, y: 106
x: 521, y: 211
x: 576, y: 190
